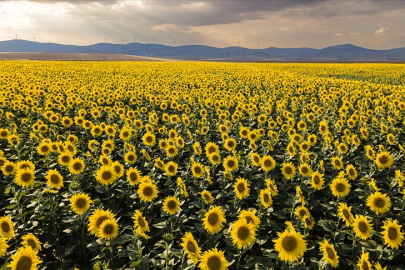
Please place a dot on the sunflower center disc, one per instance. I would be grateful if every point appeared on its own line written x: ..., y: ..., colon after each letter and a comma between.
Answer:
x: 214, y: 263
x: 267, y: 163
x: 44, y: 149
x: 337, y: 163
x: 24, y: 263
x: 213, y: 219
x: 243, y: 233
x: 340, y: 187
x: 197, y: 170
x: 148, y: 191
x: 108, y: 229
x: 55, y: 179
x: 249, y: 220
x: 346, y: 214
x: 304, y: 170
x: 26, y: 177
x: 81, y: 203
x: 364, y: 265
x: 77, y: 166
x: 362, y: 227
x: 65, y: 159
x: 117, y: 169
x: 288, y: 170
x: 330, y: 253
x: 392, y: 233
x: 170, y: 168
x: 316, y: 180
x: 240, y: 187
x: 289, y: 243
x: 141, y: 222
x: 231, y: 163
x: 351, y: 172
x: 171, y: 205
x: 211, y: 150
x: 149, y: 139
x: 190, y: 247
x: 133, y: 177
x: 383, y: 159
x: 266, y: 198
x: 379, y: 203
x: 9, y: 168
x: 256, y: 159
x: 302, y: 213
x: 32, y: 243
x: 100, y: 220
x: 106, y: 175
x: 5, y: 227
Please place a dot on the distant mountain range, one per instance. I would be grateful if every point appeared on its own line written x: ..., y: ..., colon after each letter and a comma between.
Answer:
x: 346, y: 52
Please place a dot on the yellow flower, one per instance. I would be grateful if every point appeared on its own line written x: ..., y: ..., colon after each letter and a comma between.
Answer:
x: 171, y: 205
x: 337, y: 163
x: 268, y: 163
x: 364, y: 263
x: 147, y: 191
x: 305, y: 169
x: 345, y: 213
x: 76, y: 166
x: 80, y: 203
x: 301, y: 212
x: 340, y: 187
x: 108, y: 229
x: 255, y: 159
x: 25, y: 259
x: 250, y: 217
x: 130, y: 157
x: 288, y: 170
x: 106, y: 175
x: 290, y: 245
x: 25, y: 164
x: 211, y: 148
x: 197, y: 169
x: 351, y: 172
x: 149, y: 139
x: 31, y: 241
x: 3, y: 246
x: 384, y: 160
x: 214, y: 219
x: 6, y: 227
x: 362, y: 227
x: 171, y: 151
x: 8, y: 168
x: 171, y: 168
x: 207, y: 197
x: 215, y: 158
x: 24, y: 177
x: 44, y: 148
x: 140, y: 223
x: 379, y: 203
x: 97, y: 218
x: 317, y: 180
x: 191, y: 247
x: 230, y: 164
x: 265, y: 198
x: 329, y: 253
x: 133, y: 176
x: 118, y: 168
x: 55, y: 179
x: 213, y: 260
x: 65, y: 158
x: 392, y: 234
x: 241, y: 188
x: 243, y: 234
x: 230, y: 144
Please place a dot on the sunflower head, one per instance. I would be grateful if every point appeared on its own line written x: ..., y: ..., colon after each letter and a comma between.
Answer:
x: 191, y: 247
x: 243, y: 234
x: 80, y: 203
x: 171, y: 205
x: 241, y: 188
x: 214, y: 219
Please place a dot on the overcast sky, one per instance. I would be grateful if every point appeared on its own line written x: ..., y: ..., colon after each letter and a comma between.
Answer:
x: 374, y: 24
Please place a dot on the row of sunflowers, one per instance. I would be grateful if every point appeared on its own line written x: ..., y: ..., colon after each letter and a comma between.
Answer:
x: 213, y: 166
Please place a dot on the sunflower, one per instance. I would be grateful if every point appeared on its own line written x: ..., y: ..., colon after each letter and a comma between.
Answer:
x: 207, y: 197
x: 340, y: 187
x: 230, y: 144
x: 104, y: 160
x: 118, y: 168
x: 32, y: 241
x: 362, y: 227
x: 337, y: 163
x: 8, y: 168
x: 3, y: 246
x: 391, y: 139
x: 80, y: 203
x: 268, y: 163
x: 55, y: 179
x: 197, y: 169
x: 215, y: 158
x: 171, y: 151
x: 288, y: 170
x: 149, y: 139
x: 44, y: 148
x: 379, y: 203
x: 329, y: 253
x: 241, y: 188
x: 133, y: 176
x: 243, y: 234
x: 305, y: 169
x: 345, y: 213
x: 265, y: 198
x: 25, y: 164
x: 211, y: 148
x: 290, y: 245
x: 76, y: 166
x: 291, y: 149
x: 255, y: 159
x: 273, y: 188
x: 230, y: 164
x: 317, y: 180
x: 351, y: 172
x: 250, y: 217
x: 392, y: 234
x: 106, y: 175
x: 191, y: 247
x: 171, y: 168
x: 24, y: 177
x: 370, y: 153
x: 384, y: 160
x: 304, y: 147
x: 140, y: 223
x: 147, y: 191
x: 244, y: 132
x: 342, y: 148
x: 6, y: 227
x: 97, y: 218
x: 24, y: 259
x: 65, y: 158
x: 130, y: 157
x: 364, y: 262
x: 108, y: 229
x: 171, y: 205
x: 378, y: 266
x: 214, y: 219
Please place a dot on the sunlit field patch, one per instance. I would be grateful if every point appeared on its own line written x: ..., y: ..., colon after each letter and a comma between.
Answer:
x: 135, y: 165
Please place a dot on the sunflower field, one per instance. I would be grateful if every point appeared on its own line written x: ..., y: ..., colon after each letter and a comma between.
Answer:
x: 212, y: 166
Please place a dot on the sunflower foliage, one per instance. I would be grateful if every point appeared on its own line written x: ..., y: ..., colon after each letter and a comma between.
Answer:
x: 121, y: 165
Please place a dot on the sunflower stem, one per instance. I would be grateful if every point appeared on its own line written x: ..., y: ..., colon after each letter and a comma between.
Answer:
x: 239, y: 257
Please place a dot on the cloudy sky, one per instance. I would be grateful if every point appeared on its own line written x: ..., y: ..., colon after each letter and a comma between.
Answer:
x: 374, y: 24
